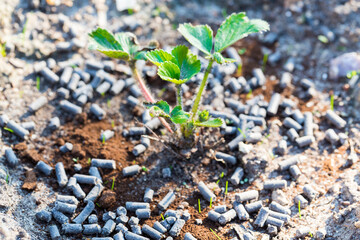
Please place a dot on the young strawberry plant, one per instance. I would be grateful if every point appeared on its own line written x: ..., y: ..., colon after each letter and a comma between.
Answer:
x: 124, y: 46
x: 180, y: 65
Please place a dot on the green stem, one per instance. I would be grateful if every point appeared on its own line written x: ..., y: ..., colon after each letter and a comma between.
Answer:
x: 179, y: 95
x: 145, y: 91
x: 201, y: 89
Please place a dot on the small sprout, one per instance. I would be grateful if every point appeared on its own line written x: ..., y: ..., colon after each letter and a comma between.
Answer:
x: 211, y: 201
x: 241, y: 51
x: 144, y: 169
x: 97, y: 204
x: 162, y: 217
x: 222, y: 174
x: 161, y: 92
x: 299, y: 210
x: 112, y: 123
x: 21, y: 94
x: 249, y: 94
x: 215, y: 234
x: 310, y: 234
x: 106, y: 182
x: 75, y: 159
x: 3, y: 49
x: 113, y: 184
x: 226, y: 188
x: 130, y: 11
x: 24, y: 29
x: 242, y: 133
x: 38, y: 83
x: 7, y: 178
x: 103, y: 94
x: 332, y: 102
x: 89, y: 161
x: 352, y: 74
x: 108, y: 102
x: 9, y: 129
x: 239, y: 69
x: 73, y: 66
x: 265, y: 59
x: 199, y: 205
x: 323, y: 39
x: 103, y: 139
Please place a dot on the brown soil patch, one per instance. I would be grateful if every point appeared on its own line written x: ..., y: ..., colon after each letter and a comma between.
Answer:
x: 30, y: 181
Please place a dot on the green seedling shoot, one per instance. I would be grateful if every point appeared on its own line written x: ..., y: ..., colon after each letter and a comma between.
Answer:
x: 323, y: 39
x: 162, y: 217
x: 38, y: 83
x: 215, y: 234
x: 299, y: 210
x: 103, y: 139
x: 7, y: 178
x: 265, y: 59
x: 9, y: 129
x: 211, y: 202
x: 3, y: 49
x: 112, y: 123
x: 108, y: 102
x: 97, y: 204
x: 75, y: 160
x: 199, y: 205
x: 226, y: 187
x: 124, y: 46
x: 332, y: 102
x: 89, y: 161
x: 145, y: 169
x: 113, y: 184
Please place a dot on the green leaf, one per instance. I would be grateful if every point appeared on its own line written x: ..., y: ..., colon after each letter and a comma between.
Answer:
x: 188, y: 63
x: 217, y: 122
x: 200, y: 36
x: 105, y: 42
x: 162, y: 105
x: 178, y: 116
x: 127, y: 41
x: 236, y: 27
x: 169, y: 71
x: 204, y: 116
x: 140, y: 55
x: 221, y: 60
x: 158, y: 57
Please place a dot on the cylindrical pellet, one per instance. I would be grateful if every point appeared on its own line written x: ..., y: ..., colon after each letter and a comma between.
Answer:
x: 309, y: 192
x: 97, y: 111
x: 103, y: 88
x: 136, y: 229
x: 214, y: 216
x: 220, y: 209
x: 11, y: 158
x: 291, y: 123
x: 67, y: 147
x: 207, y: 194
x: 62, y: 179
x: 84, y: 213
x: 274, y: 206
x: 160, y: 228
x: 282, y: 147
x: 139, y: 149
x: 285, y: 80
x: 93, y: 219
x: 94, y: 193
x: 59, y: 216
x: 261, y: 218
x: 133, y: 206
x: 335, y: 119
x: 119, y: 236
x: 117, y: 87
x: 233, y: 144
x: 38, y: 103
x: 166, y: 201
x: 69, y: 228
x: 77, y: 191
x: 28, y: 125
x: 136, y: 131
x: 295, y: 171
x: 274, y: 104
x: 131, y: 170
x: 103, y: 163
x: 281, y: 216
x: 106, y: 135
x: 94, y: 171
x: 43, y: 215
x: 4, y: 119
x: 135, y: 91
x: 286, y: 164
x: 188, y: 236
x: 331, y: 136
x: 108, y: 228
x: 151, y: 232
x: 70, y: 107
x: 237, y: 176
x: 292, y: 134
x: 153, y: 123
x: 54, y: 232
x: 305, y: 141
x: 65, y: 76
x: 227, y: 217
x: 176, y: 228
x: 302, y: 200
x: 274, y: 184
x: 65, y: 207
x: 121, y: 228
x: 133, y: 236
x: 259, y: 75
x: 91, y: 229
x: 302, y: 231
x: 298, y: 116
x: 86, y: 179
x: 274, y: 221
x: 121, y: 211
x: 247, y: 196
x: 122, y: 219
x: 17, y: 129
x: 132, y: 101
x: 145, y: 141
x: 67, y: 199
x: 54, y: 123
x: 241, y: 212
x: 308, y: 124
x: 148, y: 196
x: 253, y: 207
x: 143, y: 213
x: 49, y: 75
x: 74, y: 81
x: 226, y: 157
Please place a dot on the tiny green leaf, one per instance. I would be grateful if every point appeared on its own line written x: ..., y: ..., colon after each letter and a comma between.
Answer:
x: 158, y: 57
x: 236, y: 27
x: 161, y: 105
x: 169, y: 71
x: 200, y: 36
x: 178, y: 116
x: 221, y: 60
x: 204, y: 116
x: 106, y: 43
x: 217, y: 122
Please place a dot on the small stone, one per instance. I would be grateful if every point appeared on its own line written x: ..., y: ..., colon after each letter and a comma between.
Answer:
x: 279, y: 197
x: 198, y: 222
